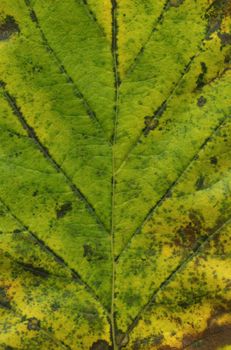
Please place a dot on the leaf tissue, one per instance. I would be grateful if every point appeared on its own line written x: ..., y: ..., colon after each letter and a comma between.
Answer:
x: 115, y: 174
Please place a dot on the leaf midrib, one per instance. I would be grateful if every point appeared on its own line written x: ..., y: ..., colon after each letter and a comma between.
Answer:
x: 114, y: 49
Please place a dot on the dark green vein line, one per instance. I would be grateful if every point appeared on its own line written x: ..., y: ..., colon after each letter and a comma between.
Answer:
x: 154, y: 29
x: 170, y: 188
x: 32, y: 135
x: 173, y: 274
x: 24, y: 319
x: 75, y: 275
x: 64, y: 71
x: 158, y: 113
x: 114, y: 49
x: 92, y: 15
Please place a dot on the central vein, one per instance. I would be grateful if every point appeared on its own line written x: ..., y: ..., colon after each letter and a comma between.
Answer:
x: 116, y: 78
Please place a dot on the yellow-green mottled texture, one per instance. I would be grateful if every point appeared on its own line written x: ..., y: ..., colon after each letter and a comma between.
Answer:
x: 115, y: 175
x: 101, y: 12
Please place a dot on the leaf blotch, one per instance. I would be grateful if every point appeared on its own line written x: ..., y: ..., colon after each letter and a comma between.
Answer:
x: 201, y: 101
x: 33, y: 324
x: 188, y: 234
x: 213, y: 160
x: 101, y: 345
x: 201, y: 78
x: 212, y: 338
x: 4, y: 301
x: 8, y: 28
x: 63, y: 210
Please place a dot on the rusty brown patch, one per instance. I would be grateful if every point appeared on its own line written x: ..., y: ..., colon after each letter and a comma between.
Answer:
x: 100, y: 345
x: 187, y: 235
x: 211, y: 339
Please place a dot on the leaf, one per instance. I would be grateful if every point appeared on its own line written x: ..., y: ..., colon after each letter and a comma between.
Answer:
x: 115, y: 175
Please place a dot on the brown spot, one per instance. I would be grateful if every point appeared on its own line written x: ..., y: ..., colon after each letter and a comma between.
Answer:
x: 211, y: 339
x: 8, y: 28
x: 101, y: 345
x: 63, y: 210
x: 33, y: 324
x: 188, y: 233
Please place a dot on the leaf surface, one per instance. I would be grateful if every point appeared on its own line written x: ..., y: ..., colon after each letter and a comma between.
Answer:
x: 115, y: 175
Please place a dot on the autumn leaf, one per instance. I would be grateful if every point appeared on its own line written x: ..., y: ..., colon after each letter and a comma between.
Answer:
x: 115, y: 172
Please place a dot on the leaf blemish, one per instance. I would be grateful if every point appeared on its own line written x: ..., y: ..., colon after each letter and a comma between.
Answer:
x: 201, y: 101
x: 100, y: 345
x: 33, y: 324
x: 8, y: 28
x: 4, y: 301
x: 63, y: 210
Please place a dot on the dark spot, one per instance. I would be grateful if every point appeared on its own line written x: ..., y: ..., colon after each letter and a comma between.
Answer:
x: 101, y: 345
x: 17, y: 231
x: 55, y: 306
x: 213, y: 160
x: 37, y: 271
x: 93, y: 253
x: 227, y: 58
x: 201, y: 101
x: 33, y: 324
x: 218, y: 10
x: 200, y: 182
x: 200, y: 80
x: 35, y: 193
x: 187, y: 235
x: 88, y: 251
x: 33, y: 16
x: 4, y: 301
x: 225, y: 38
x: 63, y: 210
x: 151, y: 124
x: 8, y: 28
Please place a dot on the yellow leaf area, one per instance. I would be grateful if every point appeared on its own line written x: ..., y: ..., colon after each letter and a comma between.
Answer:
x: 115, y: 175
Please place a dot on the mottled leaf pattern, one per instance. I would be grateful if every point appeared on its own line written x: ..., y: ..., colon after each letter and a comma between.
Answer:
x: 115, y: 172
